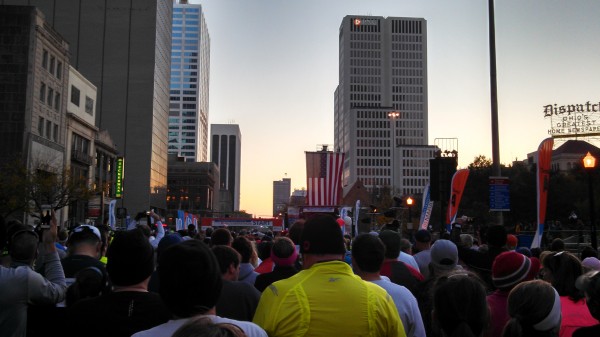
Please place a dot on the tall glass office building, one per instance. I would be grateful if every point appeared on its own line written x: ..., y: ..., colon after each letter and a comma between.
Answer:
x: 190, y: 61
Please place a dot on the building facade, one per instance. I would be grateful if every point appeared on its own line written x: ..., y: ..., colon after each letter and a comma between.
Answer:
x: 190, y: 66
x: 193, y: 187
x: 281, y: 195
x: 226, y: 148
x: 124, y: 49
x: 381, y: 99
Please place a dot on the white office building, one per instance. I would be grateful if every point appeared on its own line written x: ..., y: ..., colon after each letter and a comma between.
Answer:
x: 381, y: 111
x: 190, y: 63
x: 226, y: 152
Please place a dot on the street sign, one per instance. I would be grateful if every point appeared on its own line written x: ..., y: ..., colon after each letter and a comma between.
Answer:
x: 499, y: 194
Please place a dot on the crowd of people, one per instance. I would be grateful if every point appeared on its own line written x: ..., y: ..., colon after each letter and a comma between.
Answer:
x: 309, y: 281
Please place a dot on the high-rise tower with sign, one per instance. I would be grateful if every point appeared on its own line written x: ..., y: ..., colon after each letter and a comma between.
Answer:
x: 381, y: 112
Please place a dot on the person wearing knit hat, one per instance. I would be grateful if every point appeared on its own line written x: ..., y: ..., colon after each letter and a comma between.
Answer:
x: 590, y: 263
x: 130, y: 307
x: 508, y: 270
x: 326, y: 298
x: 284, y: 255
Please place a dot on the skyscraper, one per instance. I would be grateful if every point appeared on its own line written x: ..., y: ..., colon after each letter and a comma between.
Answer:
x: 190, y: 61
x: 281, y: 195
x: 381, y: 102
x: 226, y: 148
x: 123, y: 48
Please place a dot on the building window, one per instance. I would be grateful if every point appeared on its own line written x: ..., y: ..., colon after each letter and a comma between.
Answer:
x: 50, y: 96
x: 74, y: 95
x: 43, y: 92
x: 45, y: 59
x: 48, y: 129
x: 52, y: 61
x: 55, y: 135
x: 41, y: 127
x: 57, y: 102
x: 89, y: 105
x: 59, y: 70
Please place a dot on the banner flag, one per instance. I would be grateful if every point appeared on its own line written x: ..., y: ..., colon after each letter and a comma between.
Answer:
x: 180, y: 222
x: 544, y: 158
x: 459, y: 180
x: 427, y: 208
x: 112, y: 219
x: 323, y: 178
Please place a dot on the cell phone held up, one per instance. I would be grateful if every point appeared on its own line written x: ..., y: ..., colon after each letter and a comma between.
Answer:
x: 45, y: 216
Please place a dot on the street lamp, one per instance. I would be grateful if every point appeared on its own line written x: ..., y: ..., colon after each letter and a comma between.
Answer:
x: 393, y: 115
x: 589, y: 162
x: 409, y: 203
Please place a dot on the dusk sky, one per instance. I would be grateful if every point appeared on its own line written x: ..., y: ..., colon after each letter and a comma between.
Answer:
x: 274, y: 69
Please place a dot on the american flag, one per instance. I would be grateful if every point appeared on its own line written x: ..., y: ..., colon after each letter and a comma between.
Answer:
x: 323, y: 178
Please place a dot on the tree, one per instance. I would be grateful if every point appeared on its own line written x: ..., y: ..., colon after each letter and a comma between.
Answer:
x: 26, y: 191
x: 480, y: 162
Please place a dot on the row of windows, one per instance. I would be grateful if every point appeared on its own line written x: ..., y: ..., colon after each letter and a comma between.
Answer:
x: 185, y: 66
x: 365, y: 97
x: 365, y: 88
x: 76, y: 99
x: 185, y: 10
x: 185, y: 92
x: 373, y: 162
x: 365, y: 45
x: 192, y: 42
x: 365, y: 71
x: 186, y: 35
x: 407, y: 98
x: 407, y: 89
x: 365, y: 53
x: 187, y: 29
x: 187, y: 22
x: 406, y: 55
x: 184, y: 73
x: 184, y: 86
x: 407, y: 64
x: 183, y: 147
x: 370, y: 181
x: 407, y: 46
x: 184, y: 121
x: 49, y: 96
x: 185, y: 140
x: 184, y: 60
x: 365, y: 37
x: 374, y: 143
x: 408, y: 27
x: 373, y: 124
x: 365, y: 79
x: 185, y: 99
x: 407, y: 38
x: 365, y: 62
x: 415, y: 173
x: 50, y: 63
x: 184, y: 79
x: 186, y: 54
x: 364, y: 27
x: 375, y: 153
x: 407, y: 72
x: 45, y: 128
x: 407, y: 80
x: 415, y: 181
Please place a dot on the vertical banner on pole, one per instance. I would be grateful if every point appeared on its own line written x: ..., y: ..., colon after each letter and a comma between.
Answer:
x: 544, y: 157
x: 427, y: 208
x: 459, y: 180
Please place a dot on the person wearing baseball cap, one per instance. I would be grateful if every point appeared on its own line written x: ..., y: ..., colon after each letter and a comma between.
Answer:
x: 326, y: 298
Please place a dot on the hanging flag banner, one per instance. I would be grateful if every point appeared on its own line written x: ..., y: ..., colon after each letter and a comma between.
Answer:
x: 180, y: 221
x: 459, y: 180
x: 323, y: 178
x: 112, y: 219
x: 544, y: 157
x: 427, y: 208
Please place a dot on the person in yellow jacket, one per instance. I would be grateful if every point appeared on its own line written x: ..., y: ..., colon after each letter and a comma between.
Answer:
x: 326, y: 298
